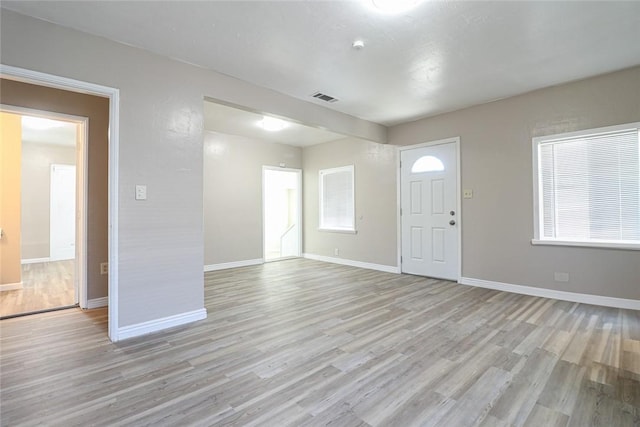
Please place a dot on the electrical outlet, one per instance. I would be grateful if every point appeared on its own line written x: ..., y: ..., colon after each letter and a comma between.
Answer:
x: 336, y: 251
x: 467, y: 194
x: 104, y: 268
x: 561, y: 277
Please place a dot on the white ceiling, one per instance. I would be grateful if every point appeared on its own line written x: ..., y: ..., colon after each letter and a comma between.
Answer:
x: 62, y: 133
x: 442, y: 56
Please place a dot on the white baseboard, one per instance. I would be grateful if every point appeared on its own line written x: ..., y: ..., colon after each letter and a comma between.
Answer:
x: 551, y: 293
x: 159, y: 324
x: 360, y: 264
x: 97, y: 302
x: 235, y: 264
x: 10, y: 286
x: 34, y: 260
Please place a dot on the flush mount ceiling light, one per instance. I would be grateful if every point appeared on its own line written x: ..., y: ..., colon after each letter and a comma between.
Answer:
x: 272, y: 124
x: 394, y: 6
x: 39, y: 123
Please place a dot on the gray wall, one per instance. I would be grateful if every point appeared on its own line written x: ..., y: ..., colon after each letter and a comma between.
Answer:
x: 496, y: 151
x: 36, y: 182
x: 161, y: 240
x: 233, y: 194
x: 375, y: 192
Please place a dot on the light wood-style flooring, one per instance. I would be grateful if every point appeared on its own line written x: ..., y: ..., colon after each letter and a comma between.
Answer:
x: 305, y: 343
x: 46, y: 285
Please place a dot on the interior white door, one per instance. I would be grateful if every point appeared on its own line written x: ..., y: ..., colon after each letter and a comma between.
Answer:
x: 62, y: 233
x: 428, y: 180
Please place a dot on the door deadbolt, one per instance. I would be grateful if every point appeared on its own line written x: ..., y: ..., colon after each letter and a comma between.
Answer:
x: 452, y: 213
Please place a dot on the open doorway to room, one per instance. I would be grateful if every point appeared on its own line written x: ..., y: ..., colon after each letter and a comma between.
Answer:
x: 281, y: 207
x: 27, y: 89
x: 239, y: 145
x: 45, y: 247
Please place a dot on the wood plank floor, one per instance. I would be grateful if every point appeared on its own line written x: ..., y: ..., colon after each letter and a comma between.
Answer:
x: 305, y: 343
x: 45, y: 285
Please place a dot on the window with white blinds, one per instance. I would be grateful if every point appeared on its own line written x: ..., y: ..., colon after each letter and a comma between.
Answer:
x: 588, y: 188
x: 337, y: 211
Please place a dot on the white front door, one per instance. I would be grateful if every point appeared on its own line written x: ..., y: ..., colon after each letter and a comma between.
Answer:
x: 429, y: 211
x: 63, y: 213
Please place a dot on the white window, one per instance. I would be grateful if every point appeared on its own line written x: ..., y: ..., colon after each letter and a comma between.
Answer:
x: 427, y: 164
x: 587, y: 188
x: 337, y: 211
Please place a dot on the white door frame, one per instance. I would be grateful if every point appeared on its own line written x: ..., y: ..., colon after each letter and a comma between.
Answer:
x: 72, y: 85
x: 452, y: 140
x: 299, y: 219
x: 80, y: 273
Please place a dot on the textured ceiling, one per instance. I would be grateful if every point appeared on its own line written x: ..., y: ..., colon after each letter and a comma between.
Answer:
x: 442, y: 56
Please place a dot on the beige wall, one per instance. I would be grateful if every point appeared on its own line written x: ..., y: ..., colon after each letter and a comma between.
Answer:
x: 375, y: 204
x: 10, y: 147
x: 37, y: 159
x: 97, y: 110
x: 161, y: 243
x: 161, y: 240
x: 496, y: 152
x: 233, y: 194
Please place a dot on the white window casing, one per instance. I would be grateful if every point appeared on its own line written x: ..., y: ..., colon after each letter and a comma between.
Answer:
x: 587, y: 188
x: 337, y: 199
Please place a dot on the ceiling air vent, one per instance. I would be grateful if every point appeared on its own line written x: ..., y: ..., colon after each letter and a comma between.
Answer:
x: 324, y: 97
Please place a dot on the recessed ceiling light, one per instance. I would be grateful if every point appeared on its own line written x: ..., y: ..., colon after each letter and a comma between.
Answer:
x: 39, y: 123
x: 272, y: 124
x: 395, y: 6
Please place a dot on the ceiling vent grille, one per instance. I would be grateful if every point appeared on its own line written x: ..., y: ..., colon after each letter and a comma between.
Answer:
x: 323, y: 97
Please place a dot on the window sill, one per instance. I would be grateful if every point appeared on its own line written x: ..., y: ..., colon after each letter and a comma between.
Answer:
x: 602, y: 245
x: 335, y: 230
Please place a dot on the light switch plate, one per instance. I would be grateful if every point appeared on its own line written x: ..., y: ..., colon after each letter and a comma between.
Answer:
x: 467, y: 194
x: 141, y: 192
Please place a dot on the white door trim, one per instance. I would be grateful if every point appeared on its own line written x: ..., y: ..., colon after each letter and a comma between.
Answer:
x: 83, y: 185
x: 50, y: 80
x: 455, y: 140
x: 299, y: 219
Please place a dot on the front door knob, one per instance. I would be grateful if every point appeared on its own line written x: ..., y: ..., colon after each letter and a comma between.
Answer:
x: 452, y: 222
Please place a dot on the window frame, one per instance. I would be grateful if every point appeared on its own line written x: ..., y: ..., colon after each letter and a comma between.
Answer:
x: 321, y: 174
x: 538, y: 214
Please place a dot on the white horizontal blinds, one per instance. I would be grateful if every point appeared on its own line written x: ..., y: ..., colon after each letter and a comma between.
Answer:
x: 337, y: 204
x: 591, y: 187
x: 547, y: 181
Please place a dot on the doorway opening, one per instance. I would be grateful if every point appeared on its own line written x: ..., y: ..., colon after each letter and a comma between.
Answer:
x: 282, y: 213
x: 45, y: 247
x: 69, y: 90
